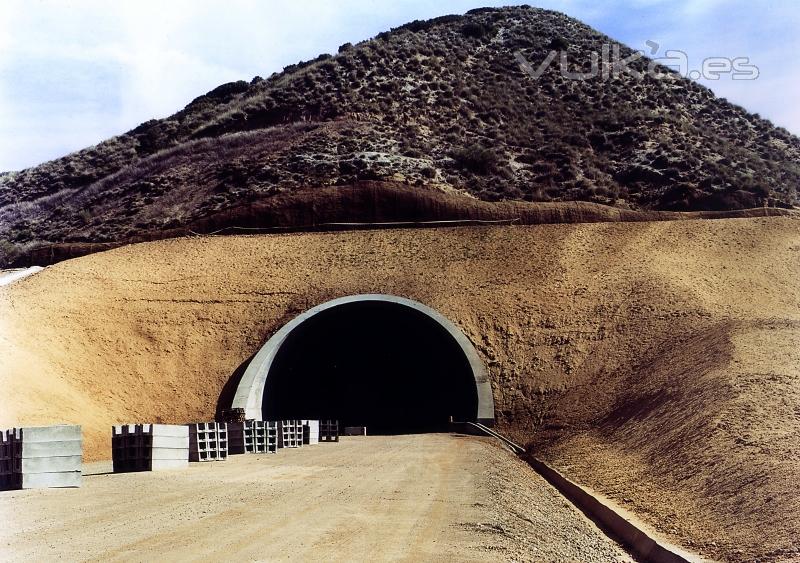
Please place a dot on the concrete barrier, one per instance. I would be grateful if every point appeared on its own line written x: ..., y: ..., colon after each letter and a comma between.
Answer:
x: 355, y: 430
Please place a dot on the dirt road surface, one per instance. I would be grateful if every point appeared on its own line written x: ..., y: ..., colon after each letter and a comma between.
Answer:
x: 414, y: 498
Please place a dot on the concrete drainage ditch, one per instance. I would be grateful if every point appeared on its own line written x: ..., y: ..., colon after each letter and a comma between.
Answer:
x: 609, y: 519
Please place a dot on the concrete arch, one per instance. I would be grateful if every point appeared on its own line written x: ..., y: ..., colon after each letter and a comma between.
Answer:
x: 250, y: 391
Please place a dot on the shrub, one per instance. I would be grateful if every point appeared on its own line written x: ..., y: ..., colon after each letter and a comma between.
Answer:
x: 476, y: 159
x: 476, y: 30
x: 416, y: 26
x: 558, y: 43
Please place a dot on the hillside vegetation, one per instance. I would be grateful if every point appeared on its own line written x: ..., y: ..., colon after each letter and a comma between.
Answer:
x: 442, y: 104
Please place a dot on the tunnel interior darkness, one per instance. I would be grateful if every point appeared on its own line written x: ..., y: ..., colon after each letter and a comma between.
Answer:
x: 377, y: 364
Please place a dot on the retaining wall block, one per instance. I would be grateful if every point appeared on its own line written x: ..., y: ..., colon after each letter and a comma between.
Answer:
x: 329, y: 431
x: 149, y: 447
x: 34, y: 457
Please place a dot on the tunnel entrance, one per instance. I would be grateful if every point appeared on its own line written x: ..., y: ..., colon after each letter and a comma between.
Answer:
x: 375, y: 364
x: 385, y: 362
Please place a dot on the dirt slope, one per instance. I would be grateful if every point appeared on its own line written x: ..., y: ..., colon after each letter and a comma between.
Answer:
x: 655, y: 362
x: 427, y: 497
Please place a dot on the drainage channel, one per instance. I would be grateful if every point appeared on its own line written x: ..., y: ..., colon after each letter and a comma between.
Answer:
x: 638, y: 541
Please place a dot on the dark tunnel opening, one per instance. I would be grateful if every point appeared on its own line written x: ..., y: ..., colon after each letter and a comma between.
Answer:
x: 377, y: 364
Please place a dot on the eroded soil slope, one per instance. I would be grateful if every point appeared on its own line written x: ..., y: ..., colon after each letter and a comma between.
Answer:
x: 655, y: 362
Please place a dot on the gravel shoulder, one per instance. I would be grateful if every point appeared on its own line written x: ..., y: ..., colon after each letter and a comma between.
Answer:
x: 415, y: 498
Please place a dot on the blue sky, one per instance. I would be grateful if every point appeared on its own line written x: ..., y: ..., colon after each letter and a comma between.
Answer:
x: 73, y: 73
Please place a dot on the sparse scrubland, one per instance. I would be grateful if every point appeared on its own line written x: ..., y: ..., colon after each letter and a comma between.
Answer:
x: 441, y: 103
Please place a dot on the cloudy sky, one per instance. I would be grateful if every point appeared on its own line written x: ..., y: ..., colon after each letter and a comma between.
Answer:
x: 74, y: 72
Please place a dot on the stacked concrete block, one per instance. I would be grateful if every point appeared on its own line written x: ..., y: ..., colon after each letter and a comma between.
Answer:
x: 149, y: 447
x: 271, y: 432
x: 10, y: 450
x: 265, y: 436
x: 310, y: 431
x: 355, y: 430
x: 233, y: 415
x: 260, y: 441
x: 290, y: 434
x: 37, y: 457
x: 208, y: 441
x: 329, y: 431
x: 252, y: 436
x: 236, y: 439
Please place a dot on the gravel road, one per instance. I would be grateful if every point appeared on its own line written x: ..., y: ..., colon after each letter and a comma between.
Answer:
x: 434, y: 497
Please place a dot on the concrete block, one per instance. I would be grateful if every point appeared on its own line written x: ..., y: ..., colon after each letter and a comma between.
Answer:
x: 41, y: 456
x: 56, y: 433
x: 48, y: 449
x: 355, y: 430
x: 144, y: 447
x: 250, y: 437
x: 10, y: 481
x: 122, y: 429
x: 236, y: 440
x: 160, y: 464
x: 170, y: 442
x: 54, y: 464
x: 127, y: 466
x: 208, y: 441
x: 168, y: 430
x: 310, y: 431
x: 329, y: 431
x: 170, y: 453
x: 313, y: 431
x: 45, y: 480
x: 288, y: 435
x: 10, y: 449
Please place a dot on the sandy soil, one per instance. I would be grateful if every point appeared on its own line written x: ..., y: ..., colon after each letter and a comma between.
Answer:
x: 658, y: 363
x: 434, y: 497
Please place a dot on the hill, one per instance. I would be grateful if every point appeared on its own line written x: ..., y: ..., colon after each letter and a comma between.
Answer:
x: 656, y: 362
x: 440, y: 104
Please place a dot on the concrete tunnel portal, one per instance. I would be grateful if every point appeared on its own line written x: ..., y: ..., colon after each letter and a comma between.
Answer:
x: 385, y: 362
